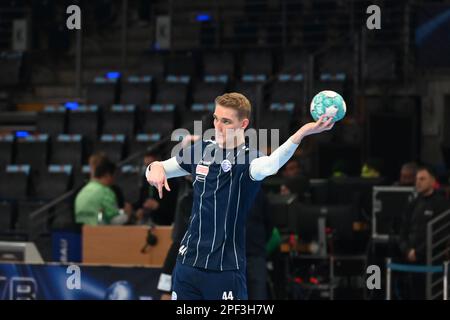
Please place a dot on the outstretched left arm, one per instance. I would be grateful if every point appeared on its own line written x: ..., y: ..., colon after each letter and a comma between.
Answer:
x: 269, y: 165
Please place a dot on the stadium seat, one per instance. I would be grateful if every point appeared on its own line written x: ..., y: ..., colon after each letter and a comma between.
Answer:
x: 294, y: 63
x: 277, y: 119
x: 63, y: 216
x: 52, y: 120
x: 113, y: 145
x: 319, y: 191
x: 54, y: 182
x: 172, y: 93
x: 137, y: 91
x: 142, y: 140
x: 153, y: 65
x: 102, y: 92
x: 84, y: 120
x: 120, y: 119
x: 219, y: 64
x: 334, y: 85
x: 6, y: 150
x: 33, y: 150
x: 128, y: 179
x: 288, y: 92
x: 250, y: 90
x: 198, y: 112
x: 67, y: 149
x: 14, y: 182
x: 206, y: 92
x: 6, y: 216
x: 159, y: 119
x: 24, y: 223
x: 180, y: 65
x: 339, y: 61
x: 11, y: 64
x: 257, y: 63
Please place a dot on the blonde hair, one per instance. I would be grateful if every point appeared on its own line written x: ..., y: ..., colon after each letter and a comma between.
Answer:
x: 236, y: 101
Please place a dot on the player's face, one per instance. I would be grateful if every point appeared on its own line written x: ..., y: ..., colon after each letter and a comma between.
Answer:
x: 228, y: 127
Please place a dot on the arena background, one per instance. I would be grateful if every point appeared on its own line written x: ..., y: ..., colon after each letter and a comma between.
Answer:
x: 137, y: 70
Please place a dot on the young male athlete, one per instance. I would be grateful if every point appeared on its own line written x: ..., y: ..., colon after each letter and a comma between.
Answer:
x: 227, y: 174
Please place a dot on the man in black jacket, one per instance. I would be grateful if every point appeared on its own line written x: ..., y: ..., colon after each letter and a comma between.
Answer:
x: 412, y: 243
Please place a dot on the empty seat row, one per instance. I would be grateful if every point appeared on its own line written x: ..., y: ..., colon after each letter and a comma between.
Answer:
x: 74, y: 149
x: 119, y: 119
x: 251, y: 62
x: 18, y: 184
x: 182, y: 92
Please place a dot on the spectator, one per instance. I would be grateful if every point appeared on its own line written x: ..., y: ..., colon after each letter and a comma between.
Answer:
x: 96, y: 203
x: 295, y: 182
x: 94, y: 161
x: 407, y: 175
x: 291, y: 169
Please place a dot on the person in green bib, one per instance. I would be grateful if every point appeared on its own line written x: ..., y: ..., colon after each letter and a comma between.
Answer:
x: 96, y: 202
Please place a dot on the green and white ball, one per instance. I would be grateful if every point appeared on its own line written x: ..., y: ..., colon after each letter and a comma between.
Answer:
x: 329, y: 103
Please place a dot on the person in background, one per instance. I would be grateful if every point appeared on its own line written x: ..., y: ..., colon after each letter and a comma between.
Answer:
x: 412, y: 240
x: 96, y: 203
x: 258, y: 233
x: 180, y: 225
x: 94, y: 160
x: 407, y: 176
x: 294, y: 181
x: 150, y: 208
x: 291, y: 168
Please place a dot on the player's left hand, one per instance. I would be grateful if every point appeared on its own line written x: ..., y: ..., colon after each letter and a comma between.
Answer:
x: 311, y: 128
x: 317, y: 127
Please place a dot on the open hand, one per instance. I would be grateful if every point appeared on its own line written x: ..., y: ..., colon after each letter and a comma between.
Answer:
x: 318, y: 126
x: 312, y: 128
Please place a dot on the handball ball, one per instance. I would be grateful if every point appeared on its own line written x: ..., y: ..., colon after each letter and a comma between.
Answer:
x: 329, y: 103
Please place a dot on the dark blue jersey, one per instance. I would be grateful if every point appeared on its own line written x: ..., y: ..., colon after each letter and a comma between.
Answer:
x: 223, y: 195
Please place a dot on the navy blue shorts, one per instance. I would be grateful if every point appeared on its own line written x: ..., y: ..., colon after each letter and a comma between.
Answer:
x: 191, y: 283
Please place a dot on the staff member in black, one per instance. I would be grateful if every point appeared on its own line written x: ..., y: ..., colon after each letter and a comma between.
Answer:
x: 428, y: 205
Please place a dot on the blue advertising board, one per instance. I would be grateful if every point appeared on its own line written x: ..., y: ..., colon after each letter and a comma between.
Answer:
x: 77, y: 282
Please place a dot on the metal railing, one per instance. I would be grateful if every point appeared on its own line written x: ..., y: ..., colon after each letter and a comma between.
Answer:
x: 428, y: 269
x: 437, y: 246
